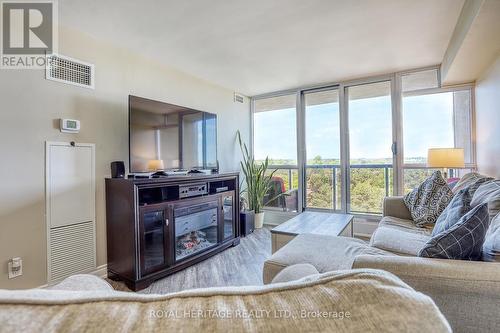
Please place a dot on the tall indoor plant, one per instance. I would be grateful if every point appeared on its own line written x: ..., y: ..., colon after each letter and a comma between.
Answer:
x: 258, y: 183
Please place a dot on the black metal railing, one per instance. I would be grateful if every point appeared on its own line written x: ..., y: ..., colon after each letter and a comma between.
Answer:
x: 292, y: 172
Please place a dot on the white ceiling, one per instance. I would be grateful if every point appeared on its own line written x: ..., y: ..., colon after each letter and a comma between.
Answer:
x: 260, y: 46
x: 479, y: 48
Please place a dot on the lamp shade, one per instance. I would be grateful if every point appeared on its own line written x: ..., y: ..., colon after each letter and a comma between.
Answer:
x: 154, y: 165
x: 445, y: 158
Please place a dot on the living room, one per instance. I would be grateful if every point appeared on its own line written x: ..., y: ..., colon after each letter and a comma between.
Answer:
x: 312, y: 131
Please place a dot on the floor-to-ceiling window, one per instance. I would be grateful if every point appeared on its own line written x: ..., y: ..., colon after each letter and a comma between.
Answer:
x: 275, y: 137
x: 347, y: 146
x: 370, y: 146
x: 323, y: 175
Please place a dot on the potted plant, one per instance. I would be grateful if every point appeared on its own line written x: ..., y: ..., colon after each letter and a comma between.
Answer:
x: 257, y: 181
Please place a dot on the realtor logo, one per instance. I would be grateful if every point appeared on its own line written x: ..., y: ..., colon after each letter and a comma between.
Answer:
x: 28, y: 33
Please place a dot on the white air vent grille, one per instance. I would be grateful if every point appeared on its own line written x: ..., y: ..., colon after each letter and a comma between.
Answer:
x: 71, y: 71
x: 238, y: 98
x: 72, y: 250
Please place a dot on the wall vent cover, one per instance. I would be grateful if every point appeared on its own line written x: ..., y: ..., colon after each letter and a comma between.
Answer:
x: 238, y: 98
x: 71, y: 71
x: 71, y: 250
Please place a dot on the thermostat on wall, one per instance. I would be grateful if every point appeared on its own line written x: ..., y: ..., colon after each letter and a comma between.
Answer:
x: 70, y: 126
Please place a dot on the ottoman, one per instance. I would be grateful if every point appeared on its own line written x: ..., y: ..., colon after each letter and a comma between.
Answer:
x: 326, y: 253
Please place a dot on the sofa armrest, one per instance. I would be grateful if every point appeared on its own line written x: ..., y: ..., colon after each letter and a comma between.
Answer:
x: 395, y: 207
x: 428, y: 269
x: 467, y: 292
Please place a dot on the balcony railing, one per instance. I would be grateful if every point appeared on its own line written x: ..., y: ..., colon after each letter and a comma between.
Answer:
x: 369, y: 184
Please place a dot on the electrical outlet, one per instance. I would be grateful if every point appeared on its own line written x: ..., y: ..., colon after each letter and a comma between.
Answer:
x: 15, y: 267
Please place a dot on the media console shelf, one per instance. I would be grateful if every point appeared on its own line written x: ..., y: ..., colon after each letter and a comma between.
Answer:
x: 156, y: 227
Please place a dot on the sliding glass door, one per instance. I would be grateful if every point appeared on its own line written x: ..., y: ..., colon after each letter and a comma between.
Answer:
x: 323, y: 176
x: 370, y: 138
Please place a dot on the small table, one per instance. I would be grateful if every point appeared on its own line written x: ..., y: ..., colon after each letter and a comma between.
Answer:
x: 312, y: 223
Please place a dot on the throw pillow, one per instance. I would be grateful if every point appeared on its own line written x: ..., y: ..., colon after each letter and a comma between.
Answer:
x: 428, y: 200
x: 469, y: 179
x: 477, y: 184
x: 491, y: 246
x: 488, y: 192
x: 458, y: 207
x: 452, y: 182
x: 464, y: 240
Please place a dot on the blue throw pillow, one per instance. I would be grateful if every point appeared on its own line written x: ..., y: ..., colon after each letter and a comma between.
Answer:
x: 464, y: 240
x: 458, y: 207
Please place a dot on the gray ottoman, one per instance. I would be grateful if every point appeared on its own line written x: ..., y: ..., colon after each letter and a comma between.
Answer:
x: 325, y: 253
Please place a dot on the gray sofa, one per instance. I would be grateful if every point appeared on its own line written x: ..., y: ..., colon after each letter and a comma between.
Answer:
x: 467, y: 292
x: 316, y: 303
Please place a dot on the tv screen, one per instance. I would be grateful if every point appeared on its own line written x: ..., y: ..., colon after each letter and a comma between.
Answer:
x: 165, y: 136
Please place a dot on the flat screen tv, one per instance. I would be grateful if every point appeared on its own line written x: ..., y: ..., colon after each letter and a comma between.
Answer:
x: 165, y: 136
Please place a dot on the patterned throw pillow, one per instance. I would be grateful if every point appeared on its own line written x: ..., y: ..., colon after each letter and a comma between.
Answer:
x: 458, y: 207
x: 428, y: 200
x: 472, y: 181
x: 488, y: 192
x: 464, y: 240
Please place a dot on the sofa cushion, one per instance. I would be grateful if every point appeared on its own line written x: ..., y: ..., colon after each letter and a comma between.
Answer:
x: 395, y: 206
x: 428, y: 200
x: 458, y: 207
x: 295, y: 272
x: 326, y: 253
x: 488, y: 193
x: 464, y: 240
x: 472, y: 181
x: 491, y: 246
x: 399, y: 236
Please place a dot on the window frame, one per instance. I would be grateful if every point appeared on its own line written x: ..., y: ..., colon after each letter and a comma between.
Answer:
x: 397, y: 124
x: 471, y: 165
x: 303, y: 149
x: 296, y: 92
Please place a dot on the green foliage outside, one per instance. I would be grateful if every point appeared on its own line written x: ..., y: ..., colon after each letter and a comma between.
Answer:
x: 368, y: 185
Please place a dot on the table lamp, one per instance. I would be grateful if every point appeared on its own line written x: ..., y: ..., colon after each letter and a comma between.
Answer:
x: 445, y: 158
x: 155, y: 165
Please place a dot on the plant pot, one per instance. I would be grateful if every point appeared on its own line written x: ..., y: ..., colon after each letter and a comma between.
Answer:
x: 247, y: 222
x: 259, y: 220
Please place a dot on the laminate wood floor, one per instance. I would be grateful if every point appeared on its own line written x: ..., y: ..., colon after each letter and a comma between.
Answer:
x: 240, y: 265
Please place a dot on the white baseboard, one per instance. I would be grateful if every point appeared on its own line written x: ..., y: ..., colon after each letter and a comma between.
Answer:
x: 101, y: 271
x: 362, y: 236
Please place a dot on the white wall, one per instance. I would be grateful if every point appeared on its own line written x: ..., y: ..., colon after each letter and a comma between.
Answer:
x: 29, y: 109
x: 488, y: 120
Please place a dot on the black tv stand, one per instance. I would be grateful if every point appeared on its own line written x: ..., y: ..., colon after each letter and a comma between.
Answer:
x: 153, y: 231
